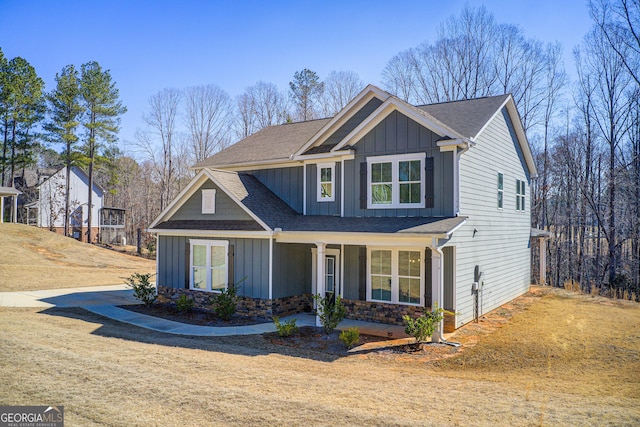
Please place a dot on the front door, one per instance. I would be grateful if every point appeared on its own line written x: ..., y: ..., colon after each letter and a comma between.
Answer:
x: 331, y: 270
x: 330, y: 282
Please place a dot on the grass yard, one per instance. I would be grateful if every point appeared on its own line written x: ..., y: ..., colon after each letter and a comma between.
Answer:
x: 36, y: 259
x: 556, y: 359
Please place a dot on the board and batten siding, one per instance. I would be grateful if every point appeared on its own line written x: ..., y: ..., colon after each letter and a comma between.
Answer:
x: 251, y: 260
x: 291, y: 269
x: 286, y: 183
x: 226, y: 208
x: 500, y: 245
x: 398, y: 134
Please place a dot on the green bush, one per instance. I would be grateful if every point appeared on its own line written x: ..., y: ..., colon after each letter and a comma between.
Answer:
x: 350, y: 337
x: 287, y: 328
x: 330, y: 312
x: 424, y: 326
x: 184, y: 304
x: 142, y: 287
x: 225, y: 303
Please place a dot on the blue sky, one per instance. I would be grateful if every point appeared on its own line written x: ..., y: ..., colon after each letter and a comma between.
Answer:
x: 151, y: 45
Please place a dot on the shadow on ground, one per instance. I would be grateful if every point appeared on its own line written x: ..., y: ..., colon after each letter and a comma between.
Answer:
x: 245, y: 345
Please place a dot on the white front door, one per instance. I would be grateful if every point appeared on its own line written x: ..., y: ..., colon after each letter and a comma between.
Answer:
x: 332, y: 281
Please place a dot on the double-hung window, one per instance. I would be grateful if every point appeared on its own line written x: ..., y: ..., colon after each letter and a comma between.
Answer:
x: 396, y: 181
x: 520, y: 194
x: 326, y: 182
x: 500, y: 190
x: 396, y: 275
x: 209, y: 264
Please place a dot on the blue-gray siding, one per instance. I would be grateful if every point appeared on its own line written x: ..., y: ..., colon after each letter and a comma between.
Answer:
x: 251, y: 260
x: 226, y: 208
x: 353, y: 122
x: 314, y: 207
x: 291, y: 269
x: 286, y: 183
x: 398, y: 134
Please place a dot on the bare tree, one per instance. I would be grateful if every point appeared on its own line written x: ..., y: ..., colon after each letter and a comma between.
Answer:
x: 340, y: 87
x: 397, y: 76
x: 261, y: 105
x: 208, y: 118
x: 159, y: 140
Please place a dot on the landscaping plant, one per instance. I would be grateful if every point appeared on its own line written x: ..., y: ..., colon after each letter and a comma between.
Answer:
x: 184, y: 304
x: 225, y: 303
x: 287, y: 328
x: 350, y: 337
x: 330, y: 311
x: 424, y: 326
x: 142, y: 287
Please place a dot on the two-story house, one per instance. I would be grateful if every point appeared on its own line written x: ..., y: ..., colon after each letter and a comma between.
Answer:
x: 392, y: 206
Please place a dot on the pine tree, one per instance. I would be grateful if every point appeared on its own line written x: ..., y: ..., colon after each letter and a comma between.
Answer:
x: 100, y: 98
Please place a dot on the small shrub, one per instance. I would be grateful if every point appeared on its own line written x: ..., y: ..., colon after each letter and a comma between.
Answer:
x: 184, y: 304
x: 350, y: 337
x: 287, y: 328
x: 225, y: 303
x: 424, y: 326
x: 142, y: 287
x: 330, y: 312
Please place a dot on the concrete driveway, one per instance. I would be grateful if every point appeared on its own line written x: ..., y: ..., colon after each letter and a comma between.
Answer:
x: 70, y: 297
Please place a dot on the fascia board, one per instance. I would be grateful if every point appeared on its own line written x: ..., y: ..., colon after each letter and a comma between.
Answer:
x: 212, y: 233
x: 269, y: 164
x: 371, y: 239
x: 345, y: 114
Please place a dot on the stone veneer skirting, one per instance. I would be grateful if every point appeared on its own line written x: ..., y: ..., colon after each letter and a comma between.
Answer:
x: 380, y: 312
x: 250, y: 307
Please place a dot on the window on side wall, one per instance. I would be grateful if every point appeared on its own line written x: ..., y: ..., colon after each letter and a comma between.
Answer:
x: 209, y: 201
x: 500, y: 190
x: 326, y: 182
x: 520, y: 195
x: 396, y: 181
x: 209, y: 265
x: 396, y: 275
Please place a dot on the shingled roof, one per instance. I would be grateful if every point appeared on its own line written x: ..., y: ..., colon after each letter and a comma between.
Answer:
x: 271, y: 143
x: 467, y: 117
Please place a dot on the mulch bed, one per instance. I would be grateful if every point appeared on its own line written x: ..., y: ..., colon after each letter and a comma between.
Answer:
x: 194, y: 317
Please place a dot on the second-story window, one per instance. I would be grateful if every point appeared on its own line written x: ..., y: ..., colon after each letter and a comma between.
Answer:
x: 500, y: 190
x: 520, y: 193
x: 326, y: 182
x: 396, y: 181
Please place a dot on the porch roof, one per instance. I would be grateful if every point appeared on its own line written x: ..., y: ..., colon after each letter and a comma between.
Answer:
x: 417, y: 225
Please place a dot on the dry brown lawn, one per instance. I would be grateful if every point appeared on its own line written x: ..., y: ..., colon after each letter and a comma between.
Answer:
x: 551, y: 358
x: 35, y: 259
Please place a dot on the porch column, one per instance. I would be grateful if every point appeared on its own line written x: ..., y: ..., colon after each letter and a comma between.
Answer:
x: 320, y: 275
x: 15, y: 209
x: 437, y: 287
x: 543, y: 260
x: 1, y: 209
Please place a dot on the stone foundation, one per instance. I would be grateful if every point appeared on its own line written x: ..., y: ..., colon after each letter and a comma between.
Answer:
x: 249, y: 307
x: 380, y: 312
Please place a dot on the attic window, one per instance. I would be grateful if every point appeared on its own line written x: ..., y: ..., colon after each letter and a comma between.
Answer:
x: 209, y: 201
x: 326, y: 174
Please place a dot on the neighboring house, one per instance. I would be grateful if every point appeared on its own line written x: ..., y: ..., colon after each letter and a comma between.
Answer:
x: 48, y: 210
x: 392, y: 206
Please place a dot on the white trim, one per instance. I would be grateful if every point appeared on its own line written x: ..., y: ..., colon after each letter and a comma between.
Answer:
x: 212, y: 233
x: 208, y: 197
x: 456, y: 182
x: 322, y: 157
x: 208, y: 244
x: 332, y: 167
x: 271, y: 267
x: 395, y: 274
x: 342, y: 187
x: 395, y: 180
x: 247, y: 166
x: 338, y: 269
x: 387, y: 239
x: 366, y: 95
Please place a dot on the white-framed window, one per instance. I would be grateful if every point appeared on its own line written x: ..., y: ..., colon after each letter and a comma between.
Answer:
x: 395, y: 275
x: 209, y: 201
x: 209, y: 265
x: 396, y: 181
x: 326, y: 182
x: 500, y: 190
x: 520, y: 195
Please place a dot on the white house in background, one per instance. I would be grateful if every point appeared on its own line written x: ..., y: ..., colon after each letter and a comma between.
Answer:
x: 50, y: 206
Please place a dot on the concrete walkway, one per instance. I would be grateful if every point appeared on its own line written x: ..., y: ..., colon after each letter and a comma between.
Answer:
x: 103, y: 300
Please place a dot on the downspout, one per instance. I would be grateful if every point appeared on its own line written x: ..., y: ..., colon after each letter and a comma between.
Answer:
x: 271, y: 261
x: 437, y: 293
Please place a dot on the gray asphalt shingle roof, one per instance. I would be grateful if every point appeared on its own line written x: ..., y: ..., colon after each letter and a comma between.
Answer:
x: 466, y: 117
